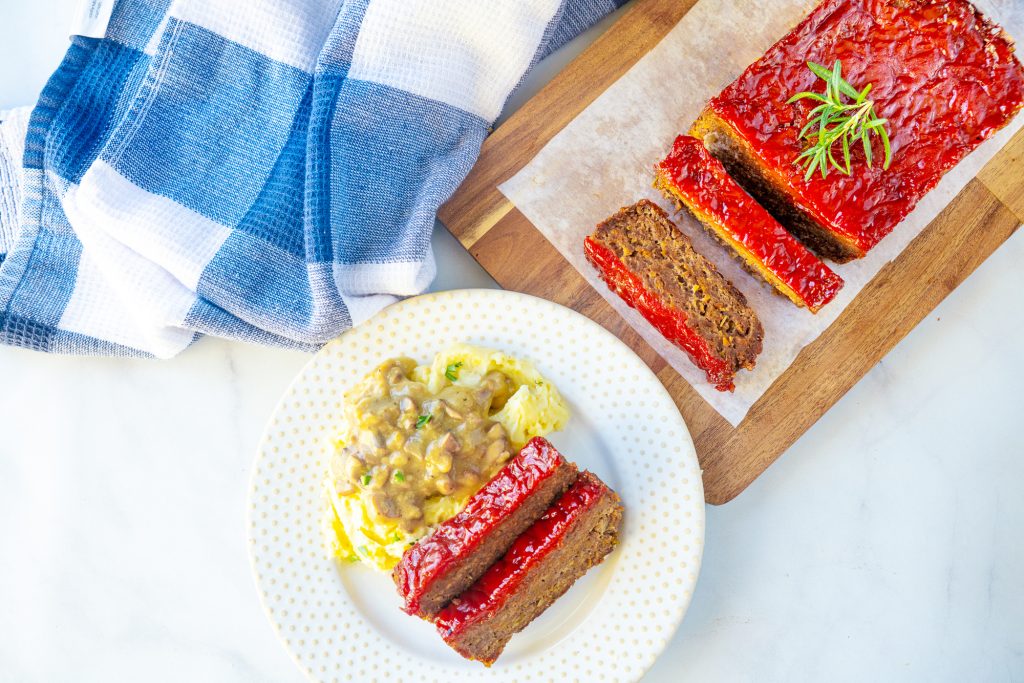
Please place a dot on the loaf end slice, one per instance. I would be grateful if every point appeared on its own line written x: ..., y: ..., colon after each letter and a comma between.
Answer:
x: 648, y: 262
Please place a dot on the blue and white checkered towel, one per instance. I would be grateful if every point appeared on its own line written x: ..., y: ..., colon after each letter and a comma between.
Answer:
x: 265, y: 170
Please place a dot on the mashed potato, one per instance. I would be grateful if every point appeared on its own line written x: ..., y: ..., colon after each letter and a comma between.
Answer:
x: 418, y: 441
x: 535, y: 409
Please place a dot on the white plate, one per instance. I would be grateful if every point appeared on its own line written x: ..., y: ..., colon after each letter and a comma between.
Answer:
x: 342, y: 622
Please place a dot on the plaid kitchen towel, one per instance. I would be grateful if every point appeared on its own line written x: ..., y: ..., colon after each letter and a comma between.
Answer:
x: 13, y: 126
x: 264, y: 170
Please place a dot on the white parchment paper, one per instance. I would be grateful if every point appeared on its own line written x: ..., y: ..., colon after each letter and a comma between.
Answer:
x: 603, y: 160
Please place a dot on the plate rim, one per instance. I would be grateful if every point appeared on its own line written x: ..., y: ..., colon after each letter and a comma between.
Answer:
x: 681, y: 607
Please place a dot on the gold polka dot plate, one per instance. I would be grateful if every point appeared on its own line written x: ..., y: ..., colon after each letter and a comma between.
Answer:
x: 342, y: 622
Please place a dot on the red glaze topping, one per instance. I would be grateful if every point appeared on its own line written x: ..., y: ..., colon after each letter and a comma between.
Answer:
x: 700, y: 181
x: 492, y: 590
x: 456, y: 538
x: 941, y: 73
x: 671, y: 322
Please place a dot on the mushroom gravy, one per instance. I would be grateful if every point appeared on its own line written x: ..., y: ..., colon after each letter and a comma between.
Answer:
x: 407, y: 445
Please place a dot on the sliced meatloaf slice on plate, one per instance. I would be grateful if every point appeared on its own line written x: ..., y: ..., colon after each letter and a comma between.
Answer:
x: 575, y: 534
x: 459, y: 551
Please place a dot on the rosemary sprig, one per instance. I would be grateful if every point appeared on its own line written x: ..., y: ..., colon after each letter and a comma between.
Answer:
x: 838, y: 120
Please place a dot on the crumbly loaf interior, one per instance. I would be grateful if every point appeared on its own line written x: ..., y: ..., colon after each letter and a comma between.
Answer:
x: 741, y: 163
x: 497, y: 542
x: 593, y: 537
x: 643, y: 236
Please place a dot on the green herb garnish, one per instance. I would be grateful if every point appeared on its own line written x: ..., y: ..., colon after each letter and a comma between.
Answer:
x: 399, y: 475
x: 835, y: 119
x: 362, y: 551
x: 365, y: 479
x: 422, y: 420
x: 452, y: 371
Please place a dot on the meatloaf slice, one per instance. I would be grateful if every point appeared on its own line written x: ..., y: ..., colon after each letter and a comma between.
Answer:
x: 943, y: 76
x: 691, y: 177
x: 459, y: 551
x: 652, y: 265
x: 579, y: 530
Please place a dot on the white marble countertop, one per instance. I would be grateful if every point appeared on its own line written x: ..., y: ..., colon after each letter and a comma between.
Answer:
x: 887, y: 544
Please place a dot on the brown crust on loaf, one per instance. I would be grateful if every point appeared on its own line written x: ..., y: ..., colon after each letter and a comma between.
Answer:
x: 497, y: 542
x: 651, y: 245
x: 593, y: 536
x: 746, y: 168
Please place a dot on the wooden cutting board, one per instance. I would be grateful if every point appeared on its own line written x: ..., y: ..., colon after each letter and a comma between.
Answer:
x: 509, y: 247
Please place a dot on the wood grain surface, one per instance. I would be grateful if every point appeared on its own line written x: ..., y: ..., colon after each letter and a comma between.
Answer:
x: 509, y: 247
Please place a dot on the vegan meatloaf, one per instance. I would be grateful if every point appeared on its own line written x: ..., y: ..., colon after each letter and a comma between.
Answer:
x: 459, y: 551
x: 652, y: 265
x: 943, y: 76
x: 579, y: 530
x: 691, y: 177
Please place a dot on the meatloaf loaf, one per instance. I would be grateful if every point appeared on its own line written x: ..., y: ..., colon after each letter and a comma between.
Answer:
x: 579, y: 530
x: 459, y: 551
x: 652, y: 265
x: 943, y: 76
x: 691, y: 177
